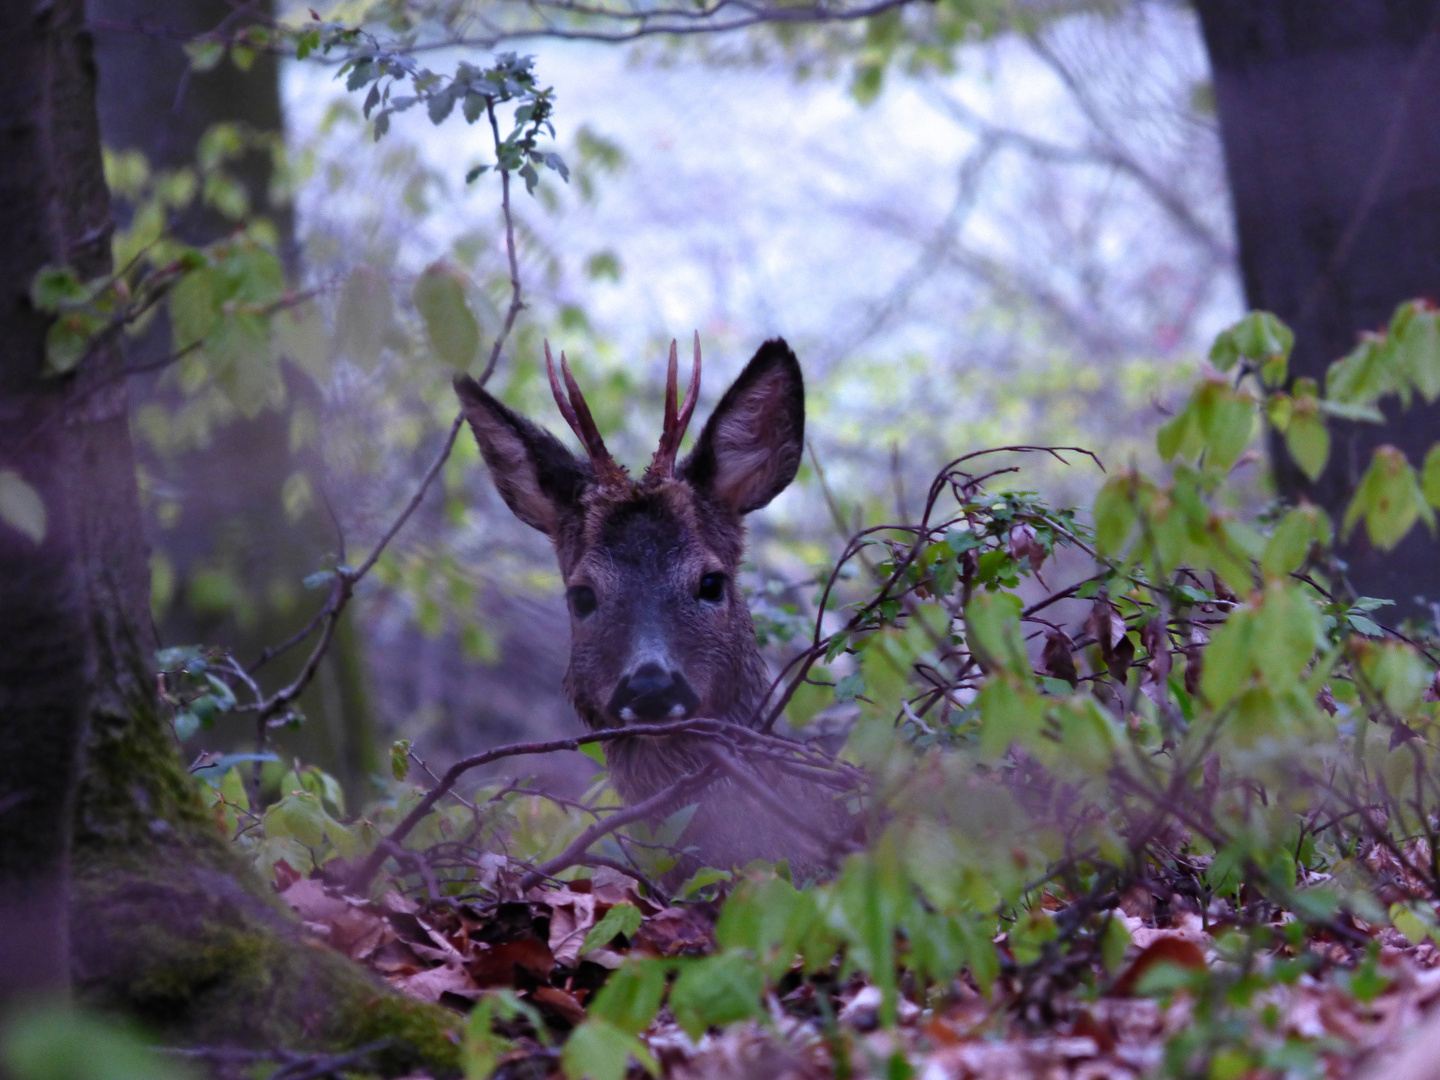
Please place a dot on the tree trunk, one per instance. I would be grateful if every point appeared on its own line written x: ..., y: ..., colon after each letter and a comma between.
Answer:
x: 165, y: 923
x: 231, y: 518
x: 58, y: 624
x: 1332, y: 145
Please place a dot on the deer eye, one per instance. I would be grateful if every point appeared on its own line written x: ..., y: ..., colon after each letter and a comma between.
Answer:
x: 712, y: 588
x: 582, y: 600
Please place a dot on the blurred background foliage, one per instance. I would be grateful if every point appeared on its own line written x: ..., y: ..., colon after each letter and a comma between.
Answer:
x: 978, y: 223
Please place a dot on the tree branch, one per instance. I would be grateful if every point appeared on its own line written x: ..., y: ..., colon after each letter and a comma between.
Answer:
x: 575, y: 852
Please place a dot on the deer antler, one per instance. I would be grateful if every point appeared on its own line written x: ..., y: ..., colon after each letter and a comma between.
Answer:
x: 577, y: 415
x: 663, y: 463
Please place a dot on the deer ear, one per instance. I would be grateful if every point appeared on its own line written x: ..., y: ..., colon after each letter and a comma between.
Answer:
x: 537, y: 477
x: 751, y: 446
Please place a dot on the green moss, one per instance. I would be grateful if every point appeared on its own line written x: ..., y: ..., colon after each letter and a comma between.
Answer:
x: 424, y: 1035
x: 133, y: 788
x: 171, y: 927
x: 183, y: 937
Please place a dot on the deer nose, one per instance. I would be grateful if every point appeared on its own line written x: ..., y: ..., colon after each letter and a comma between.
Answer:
x: 651, y: 693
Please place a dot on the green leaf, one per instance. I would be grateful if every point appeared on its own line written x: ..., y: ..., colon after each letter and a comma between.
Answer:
x: 1389, y: 498
x: 623, y: 918
x: 717, y: 990
x: 603, y: 266
x: 1217, y: 419
x: 1398, y: 672
x: 992, y: 623
x: 1113, y: 944
x: 400, y: 759
x: 1260, y: 337
x: 850, y: 687
x: 1288, y: 628
x: 1308, y: 439
x: 194, y: 307
x: 598, y: 1050
x: 1115, y: 514
x: 595, y: 752
x: 1409, y: 924
x: 227, y: 195
x: 300, y: 335
x: 1430, y: 476
x: 1347, y: 411
x: 1365, y: 626
x: 1290, y: 542
x: 771, y: 920
x: 480, y: 1048
x: 59, y: 1044
x: 1087, y: 738
x: 365, y: 316
x: 65, y: 344
x: 204, y: 54
x: 21, y: 507
x: 1416, y: 330
x: 1008, y: 713
x: 1178, y: 435
x: 1279, y: 408
x: 298, y: 815
x: 631, y: 997
x: 244, y: 366
x: 1229, y: 659
x: 1367, y: 374
x: 706, y: 875
x: 450, y: 324
x: 186, y: 724
x: 232, y: 787
x: 939, y: 946
x: 1227, y: 420
x: 1029, y: 935
x: 55, y: 287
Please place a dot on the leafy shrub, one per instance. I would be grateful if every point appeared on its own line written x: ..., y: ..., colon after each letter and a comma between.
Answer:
x: 1204, y: 713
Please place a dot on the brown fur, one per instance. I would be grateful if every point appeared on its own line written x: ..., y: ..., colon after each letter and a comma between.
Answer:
x: 643, y: 547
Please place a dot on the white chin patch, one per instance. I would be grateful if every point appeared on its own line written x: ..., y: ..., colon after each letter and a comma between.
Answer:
x: 627, y: 714
x: 677, y: 711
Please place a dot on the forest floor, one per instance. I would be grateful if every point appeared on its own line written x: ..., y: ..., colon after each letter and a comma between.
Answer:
x: 1314, y: 1004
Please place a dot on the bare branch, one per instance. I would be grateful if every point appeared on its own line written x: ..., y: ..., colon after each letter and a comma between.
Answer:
x: 575, y: 852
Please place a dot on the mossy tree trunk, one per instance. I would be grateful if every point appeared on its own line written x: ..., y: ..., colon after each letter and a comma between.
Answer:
x: 59, y: 624
x: 164, y: 922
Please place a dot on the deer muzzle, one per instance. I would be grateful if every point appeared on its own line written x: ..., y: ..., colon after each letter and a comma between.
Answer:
x: 651, y: 694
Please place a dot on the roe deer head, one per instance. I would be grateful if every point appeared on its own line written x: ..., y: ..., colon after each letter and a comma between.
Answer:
x: 660, y: 629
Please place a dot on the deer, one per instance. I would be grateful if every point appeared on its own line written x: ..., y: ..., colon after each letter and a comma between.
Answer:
x: 660, y: 629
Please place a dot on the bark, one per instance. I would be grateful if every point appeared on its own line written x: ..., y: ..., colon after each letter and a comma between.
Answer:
x: 229, y: 491
x: 55, y: 639
x: 1332, y: 145
x: 164, y: 922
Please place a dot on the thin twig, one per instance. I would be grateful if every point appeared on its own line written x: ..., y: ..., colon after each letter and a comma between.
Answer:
x: 346, y: 579
x: 644, y: 809
x: 702, y: 727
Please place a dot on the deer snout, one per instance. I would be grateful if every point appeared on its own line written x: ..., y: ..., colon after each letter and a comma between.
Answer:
x: 651, y: 693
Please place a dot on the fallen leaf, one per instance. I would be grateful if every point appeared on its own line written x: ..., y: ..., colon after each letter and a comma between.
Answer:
x: 429, y: 985
x: 495, y: 966
x: 1173, y: 949
x: 559, y: 1003
x: 572, y: 914
x: 311, y: 902
x: 285, y: 875
x: 675, y: 931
